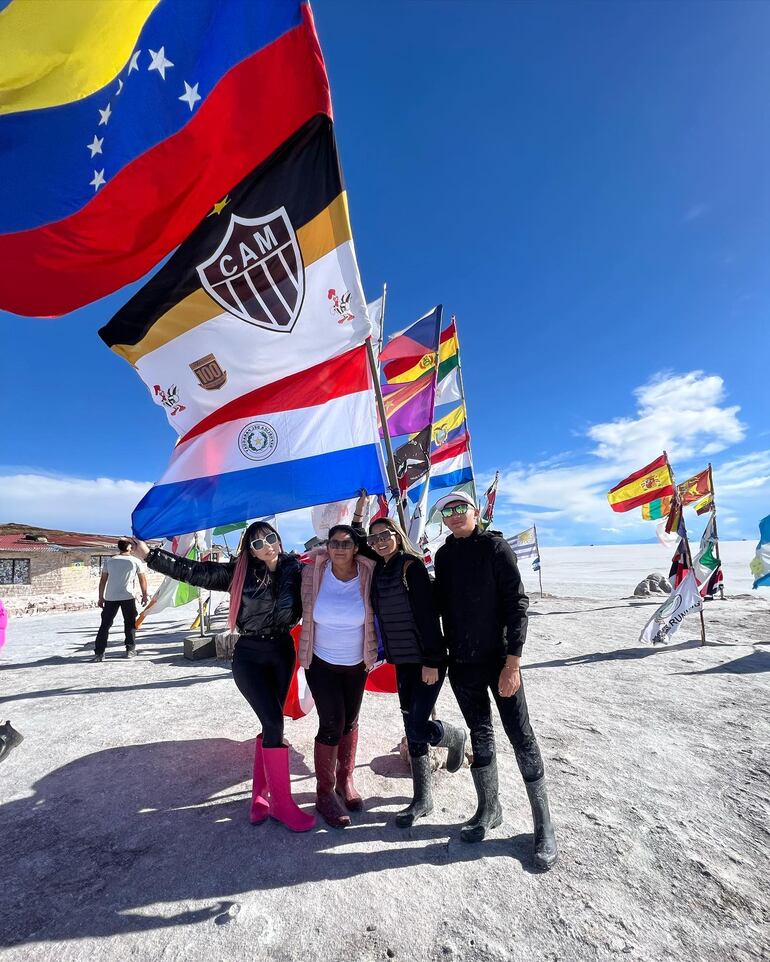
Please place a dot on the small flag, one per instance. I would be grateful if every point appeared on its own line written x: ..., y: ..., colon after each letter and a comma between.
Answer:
x: 760, y: 563
x: 706, y: 562
x: 409, y: 347
x: 525, y: 546
x: 695, y: 488
x: 654, y: 510
x: 679, y: 567
x: 412, y: 459
x: 647, y: 484
x: 485, y: 519
x: 409, y: 407
x: 707, y: 504
x: 451, y: 427
x: 667, y: 619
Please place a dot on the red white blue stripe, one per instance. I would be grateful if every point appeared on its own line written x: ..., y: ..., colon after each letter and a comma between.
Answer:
x: 310, y: 438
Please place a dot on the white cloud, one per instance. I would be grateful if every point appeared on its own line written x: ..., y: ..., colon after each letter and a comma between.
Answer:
x: 95, y: 505
x: 683, y: 414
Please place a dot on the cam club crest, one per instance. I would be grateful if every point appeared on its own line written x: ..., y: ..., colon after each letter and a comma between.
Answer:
x: 340, y: 305
x: 257, y: 273
x: 257, y: 441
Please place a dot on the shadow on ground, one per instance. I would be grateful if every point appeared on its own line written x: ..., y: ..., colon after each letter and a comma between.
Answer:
x: 108, y: 836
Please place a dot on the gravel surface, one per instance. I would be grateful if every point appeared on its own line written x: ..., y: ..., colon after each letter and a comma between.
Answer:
x: 123, y: 815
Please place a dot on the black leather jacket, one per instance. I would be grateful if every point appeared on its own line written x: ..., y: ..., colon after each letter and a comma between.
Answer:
x: 269, y: 605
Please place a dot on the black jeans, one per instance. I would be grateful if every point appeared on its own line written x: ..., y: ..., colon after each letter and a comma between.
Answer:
x: 263, y: 668
x: 110, y: 609
x: 471, y: 684
x: 338, y: 691
x: 417, y: 700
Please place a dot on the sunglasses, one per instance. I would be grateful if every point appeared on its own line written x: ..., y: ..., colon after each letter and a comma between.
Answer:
x: 342, y: 545
x: 380, y: 538
x: 454, y: 509
x: 259, y: 543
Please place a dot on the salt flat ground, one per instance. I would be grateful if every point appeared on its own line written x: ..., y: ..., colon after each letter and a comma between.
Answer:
x: 123, y: 815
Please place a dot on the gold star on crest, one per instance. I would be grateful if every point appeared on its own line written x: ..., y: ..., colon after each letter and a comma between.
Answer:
x: 219, y: 206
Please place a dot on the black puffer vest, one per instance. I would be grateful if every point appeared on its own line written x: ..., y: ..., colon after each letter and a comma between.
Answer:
x: 390, y: 599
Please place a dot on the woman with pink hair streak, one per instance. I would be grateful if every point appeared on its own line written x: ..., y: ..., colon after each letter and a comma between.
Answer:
x: 264, y: 586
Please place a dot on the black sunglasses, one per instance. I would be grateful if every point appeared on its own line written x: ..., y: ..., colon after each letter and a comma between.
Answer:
x: 380, y: 537
x: 454, y: 509
x: 259, y: 543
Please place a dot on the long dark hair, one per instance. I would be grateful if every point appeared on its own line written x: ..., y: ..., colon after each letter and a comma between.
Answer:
x: 257, y: 529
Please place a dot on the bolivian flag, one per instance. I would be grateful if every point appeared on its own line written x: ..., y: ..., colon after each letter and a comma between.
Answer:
x: 649, y: 483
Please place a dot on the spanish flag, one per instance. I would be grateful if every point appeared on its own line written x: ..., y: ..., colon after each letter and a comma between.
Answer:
x: 647, y: 484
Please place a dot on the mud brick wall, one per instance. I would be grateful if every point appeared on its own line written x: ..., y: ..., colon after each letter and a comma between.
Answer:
x: 61, y: 573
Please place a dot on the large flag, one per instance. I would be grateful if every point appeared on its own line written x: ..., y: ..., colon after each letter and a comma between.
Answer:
x: 695, y: 488
x: 306, y: 439
x: 172, y: 593
x: 647, y: 484
x: 123, y: 123
x: 667, y: 619
x: 266, y: 286
x: 409, y: 407
x: 760, y: 563
x: 410, y: 353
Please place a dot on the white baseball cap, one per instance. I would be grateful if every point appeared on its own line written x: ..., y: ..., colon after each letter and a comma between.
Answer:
x: 452, y: 498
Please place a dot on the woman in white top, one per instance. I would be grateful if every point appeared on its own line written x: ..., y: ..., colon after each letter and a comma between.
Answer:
x: 337, y: 647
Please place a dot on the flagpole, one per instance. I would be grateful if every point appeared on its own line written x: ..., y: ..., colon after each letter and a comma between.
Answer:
x: 390, y: 462
x: 539, y: 561
x: 382, y: 322
x: 716, y: 533
x: 465, y: 403
x: 686, y: 539
x: 200, y: 594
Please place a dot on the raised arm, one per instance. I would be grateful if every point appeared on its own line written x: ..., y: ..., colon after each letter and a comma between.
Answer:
x: 202, y: 574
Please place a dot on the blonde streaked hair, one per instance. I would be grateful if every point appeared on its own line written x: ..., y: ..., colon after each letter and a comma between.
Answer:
x: 405, y: 544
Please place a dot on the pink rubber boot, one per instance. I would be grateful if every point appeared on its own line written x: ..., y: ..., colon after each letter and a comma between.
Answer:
x: 260, y: 807
x: 282, y: 805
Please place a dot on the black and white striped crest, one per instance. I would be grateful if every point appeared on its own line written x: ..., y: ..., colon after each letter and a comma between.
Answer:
x: 257, y: 272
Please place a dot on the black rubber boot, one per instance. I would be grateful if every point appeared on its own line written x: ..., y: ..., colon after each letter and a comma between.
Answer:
x: 9, y: 738
x: 545, y: 850
x: 489, y: 814
x: 453, y: 740
x: 422, y: 803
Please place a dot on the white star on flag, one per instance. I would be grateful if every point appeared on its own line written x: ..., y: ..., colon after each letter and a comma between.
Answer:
x: 104, y: 114
x: 96, y: 146
x: 190, y: 95
x: 120, y: 87
x: 159, y: 61
x: 134, y: 62
x: 98, y: 180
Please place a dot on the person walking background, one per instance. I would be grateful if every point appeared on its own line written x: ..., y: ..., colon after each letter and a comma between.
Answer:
x: 484, y: 613
x: 402, y: 598
x: 117, y: 588
x: 264, y: 586
x: 337, y: 647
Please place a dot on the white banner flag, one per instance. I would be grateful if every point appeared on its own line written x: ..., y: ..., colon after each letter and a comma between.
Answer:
x: 684, y: 600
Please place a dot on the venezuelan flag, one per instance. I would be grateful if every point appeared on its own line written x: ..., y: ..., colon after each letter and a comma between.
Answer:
x: 647, y: 484
x: 123, y: 123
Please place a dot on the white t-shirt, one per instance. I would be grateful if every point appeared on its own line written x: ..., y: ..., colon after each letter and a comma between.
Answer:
x: 121, y: 571
x: 338, y: 614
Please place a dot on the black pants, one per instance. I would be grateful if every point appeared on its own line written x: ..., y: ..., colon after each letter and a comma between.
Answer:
x: 417, y: 700
x: 263, y: 668
x: 338, y: 691
x: 471, y: 684
x: 110, y: 609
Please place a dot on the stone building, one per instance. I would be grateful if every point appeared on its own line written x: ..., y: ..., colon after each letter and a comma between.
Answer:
x: 40, y: 562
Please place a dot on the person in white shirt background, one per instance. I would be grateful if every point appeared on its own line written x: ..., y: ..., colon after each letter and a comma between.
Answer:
x: 117, y: 588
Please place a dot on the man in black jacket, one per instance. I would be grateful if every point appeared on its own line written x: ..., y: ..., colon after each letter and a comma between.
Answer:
x: 484, y: 612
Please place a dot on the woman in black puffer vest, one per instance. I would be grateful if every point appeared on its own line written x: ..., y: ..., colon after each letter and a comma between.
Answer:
x: 402, y: 599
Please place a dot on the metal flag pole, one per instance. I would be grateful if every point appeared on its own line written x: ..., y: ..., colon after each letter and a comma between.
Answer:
x: 465, y: 403
x: 676, y: 504
x: 382, y: 322
x: 716, y: 534
x: 200, y: 594
x: 390, y: 461
x: 539, y: 561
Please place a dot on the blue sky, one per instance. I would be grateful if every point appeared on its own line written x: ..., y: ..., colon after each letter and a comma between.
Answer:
x: 585, y: 185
